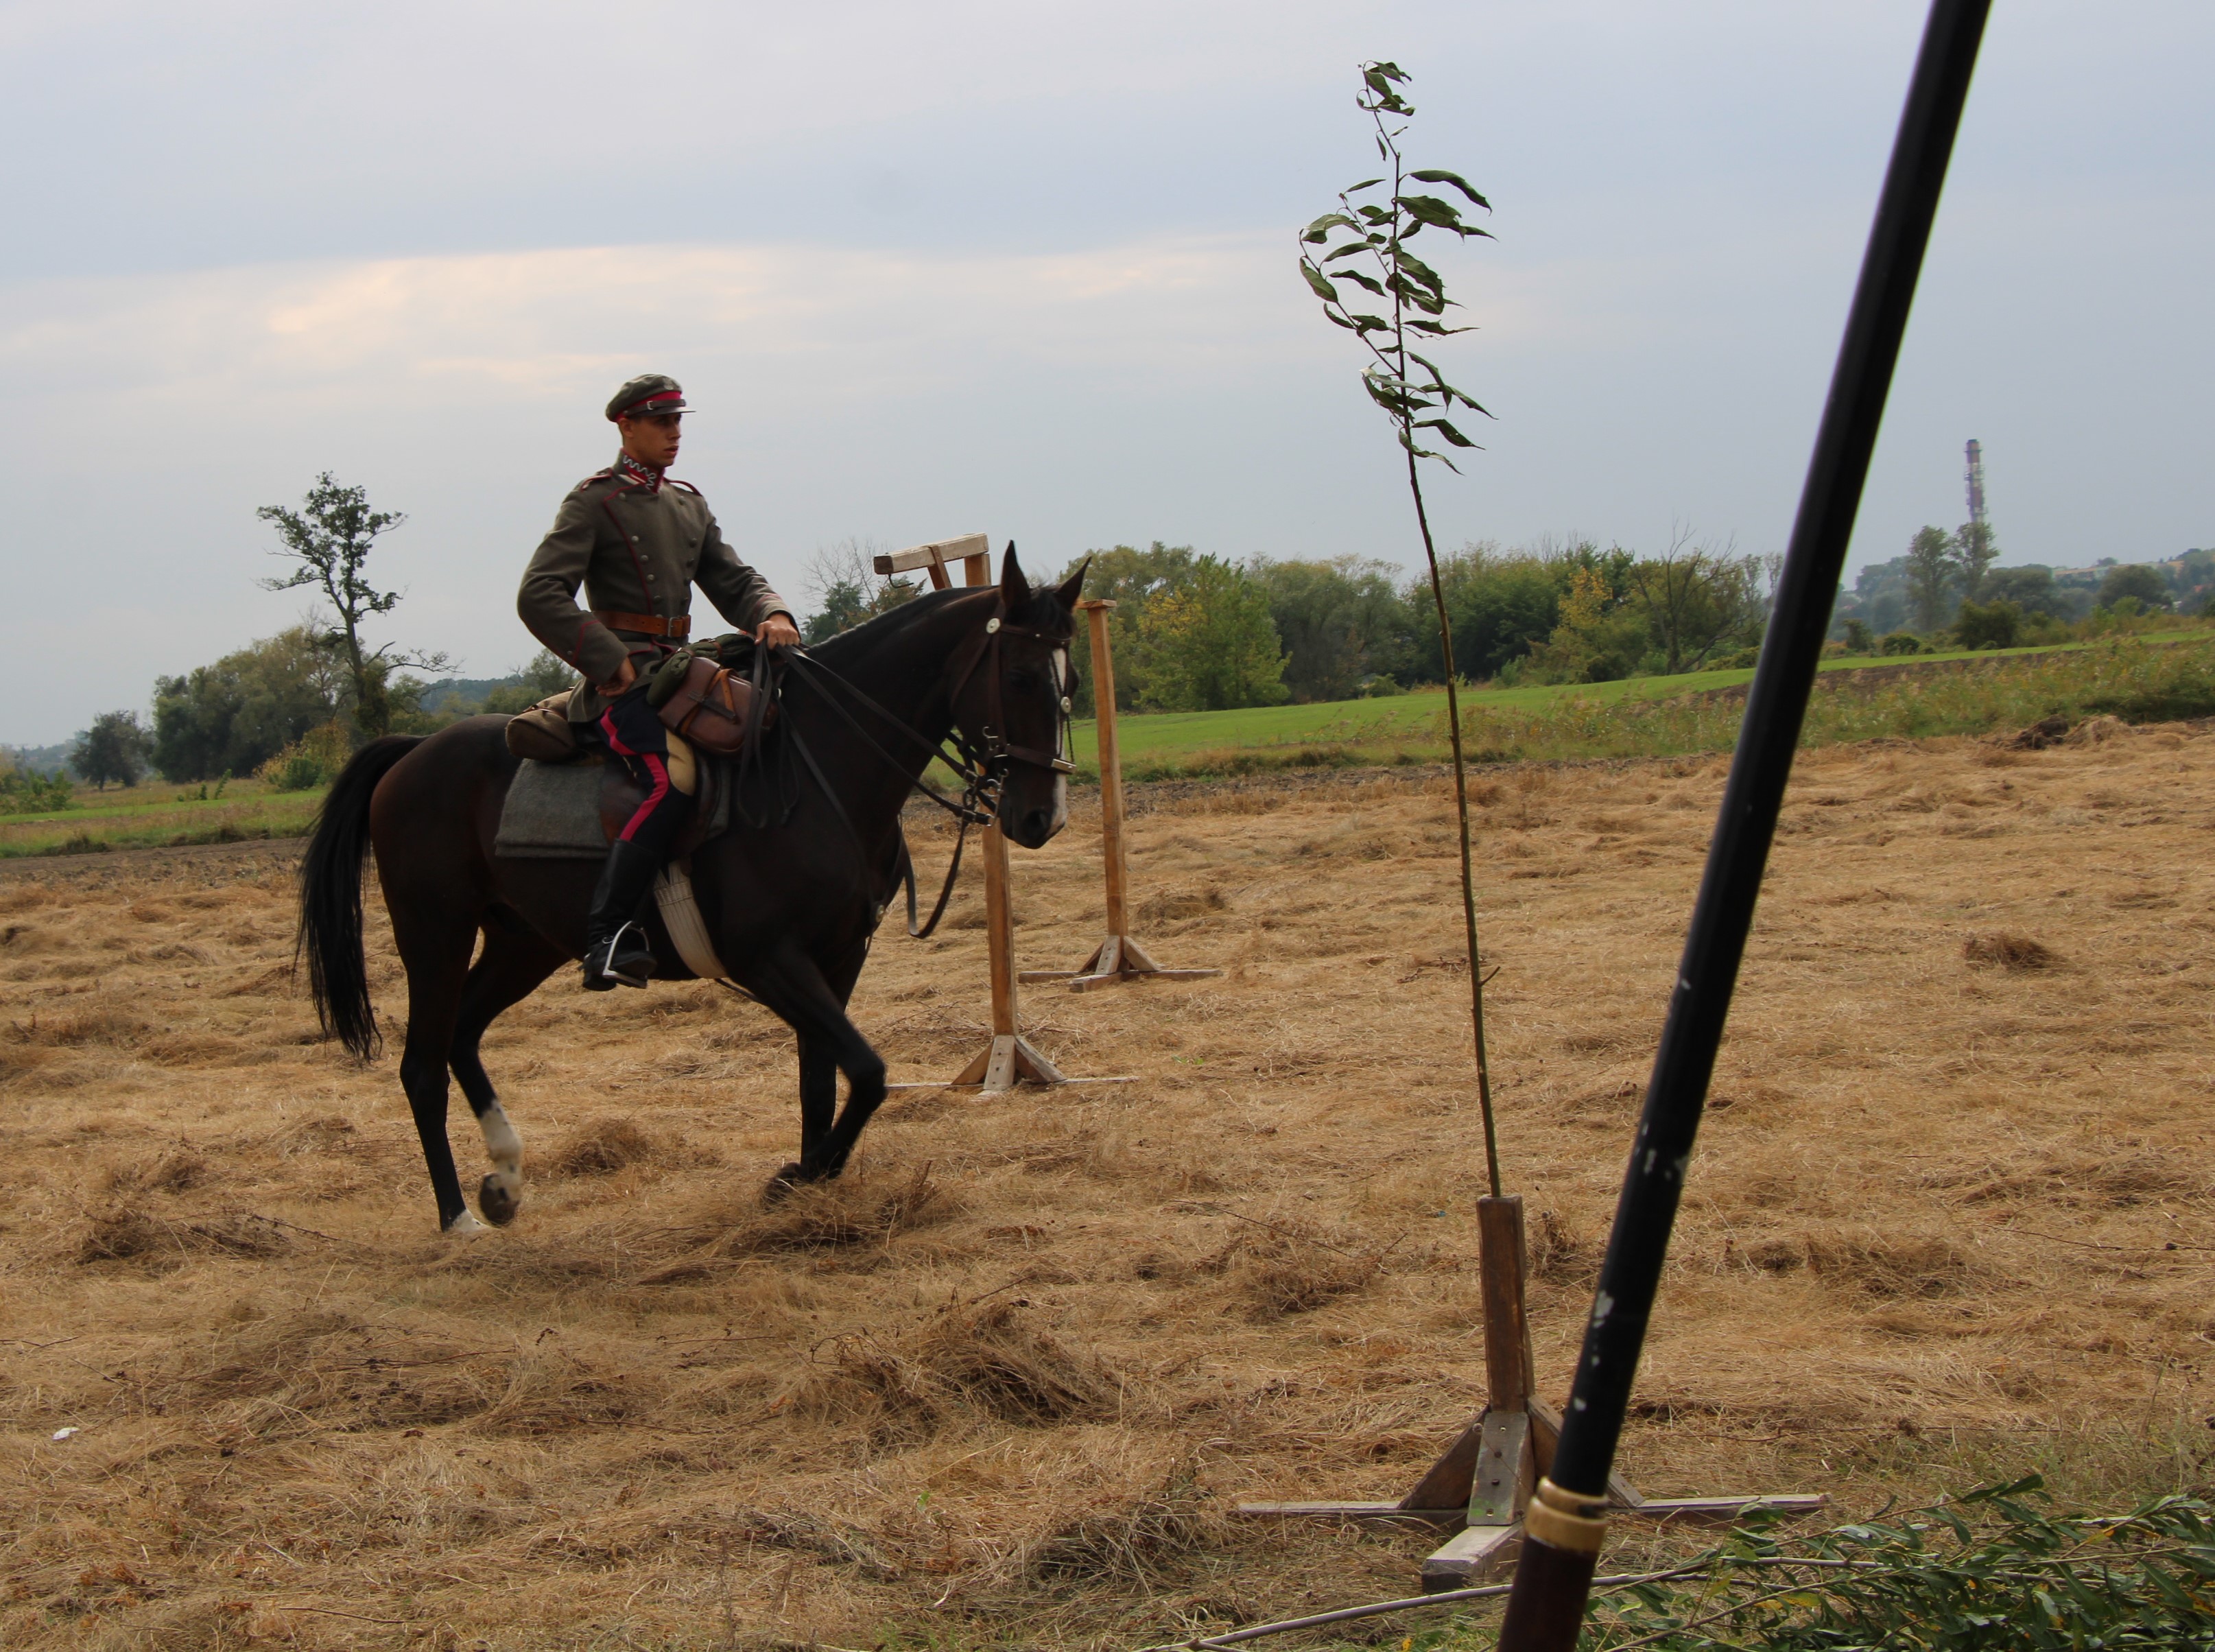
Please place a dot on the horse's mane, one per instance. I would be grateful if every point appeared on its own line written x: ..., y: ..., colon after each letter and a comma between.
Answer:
x: 872, y: 634
x: 894, y: 623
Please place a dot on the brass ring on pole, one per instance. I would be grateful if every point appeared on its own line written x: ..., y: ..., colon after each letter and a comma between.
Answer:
x: 1566, y: 1520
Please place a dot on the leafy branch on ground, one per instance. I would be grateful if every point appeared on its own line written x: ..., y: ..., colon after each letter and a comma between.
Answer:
x: 1990, y: 1569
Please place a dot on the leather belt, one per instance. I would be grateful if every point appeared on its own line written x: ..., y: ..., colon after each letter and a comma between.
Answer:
x: 647, y: 624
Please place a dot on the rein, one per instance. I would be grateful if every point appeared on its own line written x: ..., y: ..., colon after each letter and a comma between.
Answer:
x: 983, y: 772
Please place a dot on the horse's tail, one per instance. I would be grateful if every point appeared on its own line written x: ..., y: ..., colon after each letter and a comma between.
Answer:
x: 330, y: 897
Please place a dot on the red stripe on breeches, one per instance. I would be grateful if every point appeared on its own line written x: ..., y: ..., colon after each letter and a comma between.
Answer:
x: 649, y: 766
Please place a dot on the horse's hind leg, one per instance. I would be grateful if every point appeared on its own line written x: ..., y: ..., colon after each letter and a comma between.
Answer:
x: 507, y: 972
x: 436, y: 952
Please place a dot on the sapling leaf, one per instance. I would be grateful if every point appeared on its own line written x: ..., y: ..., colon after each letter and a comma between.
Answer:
x: 1444, y: 427
x: 1429, y: 209
x: 1440, y: 175
x: 1318, y: 284
x: 1423, y: 272
x: 1319, y: 232
x: 1366, y: 283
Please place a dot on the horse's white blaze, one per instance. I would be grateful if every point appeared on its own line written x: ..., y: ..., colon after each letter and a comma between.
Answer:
x: 505, y: 1147
x: 1061, y: 728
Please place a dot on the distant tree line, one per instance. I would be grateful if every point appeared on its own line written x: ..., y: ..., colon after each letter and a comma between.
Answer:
x: 1944, y: 591
x: 1193, y: 632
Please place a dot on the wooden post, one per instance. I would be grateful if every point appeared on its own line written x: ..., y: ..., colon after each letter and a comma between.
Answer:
x: 1010, y: 1057
x: 1111, y: 765
x: 1480, y: 1485
x: 1119, y: 958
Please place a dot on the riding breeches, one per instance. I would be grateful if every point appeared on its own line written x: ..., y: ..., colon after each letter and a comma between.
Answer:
x: 634, y: 733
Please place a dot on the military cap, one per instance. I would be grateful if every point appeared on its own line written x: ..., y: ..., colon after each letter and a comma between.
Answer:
x: 647, y: 394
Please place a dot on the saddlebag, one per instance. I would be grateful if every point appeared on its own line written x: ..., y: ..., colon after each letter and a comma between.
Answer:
x: 542, y: 733
x: 715, y: 709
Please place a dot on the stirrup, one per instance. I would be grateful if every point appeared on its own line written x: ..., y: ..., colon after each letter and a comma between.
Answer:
x: 623, y: 958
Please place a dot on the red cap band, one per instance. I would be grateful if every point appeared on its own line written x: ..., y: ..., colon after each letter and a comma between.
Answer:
x: 648, y: 401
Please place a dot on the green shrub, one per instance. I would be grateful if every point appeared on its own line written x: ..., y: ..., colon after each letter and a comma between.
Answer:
x: 25, y: 791
x: 1899, y: 642
x: 1988, y: 625
x: 312, y: 760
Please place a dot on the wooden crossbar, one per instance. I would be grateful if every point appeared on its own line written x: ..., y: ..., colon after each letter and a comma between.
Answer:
x: 973, y: 550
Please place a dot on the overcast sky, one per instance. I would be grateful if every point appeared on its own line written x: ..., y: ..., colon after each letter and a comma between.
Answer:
x: 1029, y: 269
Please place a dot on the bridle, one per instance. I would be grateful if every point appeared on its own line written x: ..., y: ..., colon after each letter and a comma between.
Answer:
x: 982, y: 766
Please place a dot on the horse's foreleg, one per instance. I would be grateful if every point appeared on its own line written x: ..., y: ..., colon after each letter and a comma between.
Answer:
x: 819, y: 1104
x: 511, y: 967
x: 791, y: 985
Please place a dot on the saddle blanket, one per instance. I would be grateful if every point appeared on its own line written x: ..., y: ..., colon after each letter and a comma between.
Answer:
x: 558, y: 811
x: 553, y: 812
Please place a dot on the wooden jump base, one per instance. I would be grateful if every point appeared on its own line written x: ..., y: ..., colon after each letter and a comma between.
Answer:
x: 1118, y: 959
x: 1478, y: 1488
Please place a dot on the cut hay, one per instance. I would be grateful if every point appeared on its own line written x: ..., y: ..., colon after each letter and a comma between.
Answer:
x: 998, y: 1384
x: 2015, y: 953
x: 602, y: 1148
x: 1131, y: 1546
x: 125, y: 1234
x: 993, y: 1361
x: 1279, y: 1269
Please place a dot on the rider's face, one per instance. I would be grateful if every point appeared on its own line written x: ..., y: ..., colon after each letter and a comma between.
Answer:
x: 651, y: 440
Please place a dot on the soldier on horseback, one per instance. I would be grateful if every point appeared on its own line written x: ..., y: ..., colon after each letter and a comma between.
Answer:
x: 637, y: 541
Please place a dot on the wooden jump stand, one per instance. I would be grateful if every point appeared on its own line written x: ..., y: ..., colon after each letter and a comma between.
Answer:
x: 1478, y: 1488
x: 1010, y: 1058
x: 1119, y: 958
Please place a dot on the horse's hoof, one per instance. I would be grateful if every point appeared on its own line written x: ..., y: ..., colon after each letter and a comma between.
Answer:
x: 466, y: 1226
x: 497, y: 1203
x: 784, y: 1183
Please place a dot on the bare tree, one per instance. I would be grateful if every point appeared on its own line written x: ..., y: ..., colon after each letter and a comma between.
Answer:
x: 847, y: 588
x: 330, y: 536
x: 1695, y: 599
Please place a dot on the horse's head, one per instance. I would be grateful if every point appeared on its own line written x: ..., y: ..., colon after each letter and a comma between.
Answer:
x: 1012, y: 703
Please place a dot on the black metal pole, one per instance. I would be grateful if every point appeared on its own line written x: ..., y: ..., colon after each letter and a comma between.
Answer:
x: 1566, y: 1520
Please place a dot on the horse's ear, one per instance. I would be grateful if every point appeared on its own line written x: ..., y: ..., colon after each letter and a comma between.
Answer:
x: 1073, y: 587
x: 1014, y: 588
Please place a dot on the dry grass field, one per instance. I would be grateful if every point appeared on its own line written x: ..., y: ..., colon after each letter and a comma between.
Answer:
x: 1952, y: 1217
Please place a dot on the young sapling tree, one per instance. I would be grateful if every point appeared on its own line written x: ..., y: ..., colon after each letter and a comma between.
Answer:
x: 1365, y: 244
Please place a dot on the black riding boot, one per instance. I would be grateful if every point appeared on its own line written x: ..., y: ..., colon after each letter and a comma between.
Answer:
x: 616, y: 946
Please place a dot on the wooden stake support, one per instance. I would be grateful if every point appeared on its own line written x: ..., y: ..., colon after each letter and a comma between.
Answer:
x: 1478, y: 1488
x: 1119, y: 958
x: 1009, y: 1057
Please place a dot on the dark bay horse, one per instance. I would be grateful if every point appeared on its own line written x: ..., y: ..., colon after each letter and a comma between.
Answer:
x: 790, y: 906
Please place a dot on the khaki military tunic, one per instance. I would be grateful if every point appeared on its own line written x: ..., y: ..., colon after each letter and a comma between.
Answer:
x: 637, y: 550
